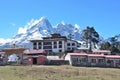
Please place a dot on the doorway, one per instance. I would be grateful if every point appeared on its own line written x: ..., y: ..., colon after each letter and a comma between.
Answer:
x: 34, y: 60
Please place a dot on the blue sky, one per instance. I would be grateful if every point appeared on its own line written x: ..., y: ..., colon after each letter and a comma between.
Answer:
x: 104, y: 15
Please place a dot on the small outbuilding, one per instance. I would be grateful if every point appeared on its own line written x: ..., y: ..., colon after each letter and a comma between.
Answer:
x: 99, y: 60
x: 36, y: 57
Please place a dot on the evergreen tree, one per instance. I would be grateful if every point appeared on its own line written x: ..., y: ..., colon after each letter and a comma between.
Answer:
x: 113, y: 45
x: 105, y: 46
x: 90, y: 36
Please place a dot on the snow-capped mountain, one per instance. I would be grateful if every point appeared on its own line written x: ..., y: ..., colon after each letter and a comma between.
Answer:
x: 66, y: 29
x: 36, y: 29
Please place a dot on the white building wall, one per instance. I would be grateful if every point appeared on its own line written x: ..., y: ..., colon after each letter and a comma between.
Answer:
x: 37, y: 45
x: 63, y: 46
x: 57, y: 45
x: 71, y: 47
x: 41, y: 45
x: 52, y: 45
x: 68, y: 58
x: 58, y: 49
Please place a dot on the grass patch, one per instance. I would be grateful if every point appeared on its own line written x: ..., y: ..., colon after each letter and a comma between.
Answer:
x: 58, y: 73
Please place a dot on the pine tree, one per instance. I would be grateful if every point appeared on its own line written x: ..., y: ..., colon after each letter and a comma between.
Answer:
x: 90, y: 36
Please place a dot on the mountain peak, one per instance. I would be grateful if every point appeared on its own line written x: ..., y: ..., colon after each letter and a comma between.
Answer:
x: 43, y: 19
x: 42, y: 27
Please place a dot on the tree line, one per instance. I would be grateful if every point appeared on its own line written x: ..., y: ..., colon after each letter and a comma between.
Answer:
x: 92, y: 38
x: 112, y: 44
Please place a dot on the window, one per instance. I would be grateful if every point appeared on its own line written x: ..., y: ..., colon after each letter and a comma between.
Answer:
x: 68, y: 48
x: 47, y: 47
x: 34, y: 47
x: 34, y: 43
x: 47, y: 43
x: 68, y: 44
x: 109, y: 61
x: 100, y: 60
x: 40, y: 47
x: 93, y: 60
x: 50, y: 50
x: 73, y: 44
x: 55, y: 42
x: 79, y: 44
x: 74, y: 60
x: 55, y: 46
x: 60, y: 50
x: 73, y: 48
x: 119, y: 61
x: 60, y: 46
x: 39, y: 43
x: 60, y: 42
x: 82, y: 59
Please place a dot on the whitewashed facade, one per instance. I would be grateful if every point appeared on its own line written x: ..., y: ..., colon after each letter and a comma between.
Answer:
x: 49, y: 45
x: 56, y: 43
x: 71, y: 45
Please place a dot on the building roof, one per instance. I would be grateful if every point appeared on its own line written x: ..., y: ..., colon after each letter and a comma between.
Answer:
x: 35, y: 52
x: 2, y: 52
x: 83, y: 48
x: 101, y: 51
x: 77, y: 54
x: 13, y: 50
x: 52, y: 57
x: 50, y: 39
x: 85, y: 54
x: 112, y: 56
x: 93, y: 55
x: 56, y: 59
x: 54, y: 37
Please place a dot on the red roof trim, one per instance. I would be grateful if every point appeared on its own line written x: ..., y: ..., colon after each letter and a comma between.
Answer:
x: 79, y: 54
x: 93, y: 55
x: 56, y: 59
x: 112, y: 56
